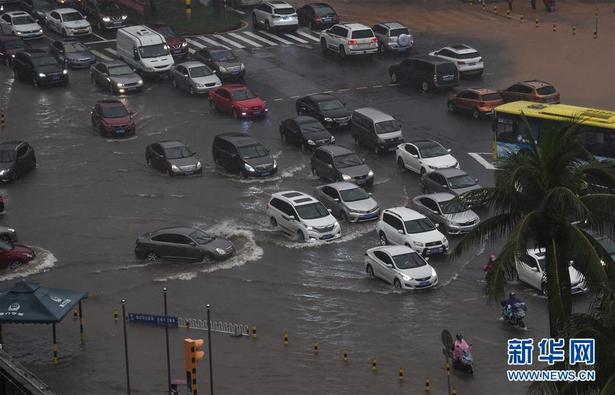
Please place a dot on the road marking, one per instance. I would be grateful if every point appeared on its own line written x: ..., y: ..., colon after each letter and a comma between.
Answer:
x: 226, y: 40
x: 100, y: 55
x: 97, y: 42
x: 295, y: 97
x: 328, y: 92
x: 484, y: 162
x: 194, y: 43
x: 361, y: 88
x: 376, y: 86
x: 210, y: 41
x: 302, y: 41
x: 237, y: 11
x: 343, y: 90
x: 393, y: 84
x: 304, y: 34
x: 111, y: 50
x: 276, y: 38
x: 278, y: 99
x: 260, y: 38
x: 237, y: 36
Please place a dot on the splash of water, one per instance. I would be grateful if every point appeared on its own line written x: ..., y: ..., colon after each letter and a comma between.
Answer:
x: 43, y: 262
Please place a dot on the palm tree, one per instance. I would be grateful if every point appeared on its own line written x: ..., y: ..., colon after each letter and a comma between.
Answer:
x: 538, y: 195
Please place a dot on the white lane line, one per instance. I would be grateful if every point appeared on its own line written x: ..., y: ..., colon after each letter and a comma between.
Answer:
x: 194, y: 43
x: 295, y: 97
x: 361, y: 88
x: 278, y: 99
x: 376, y: 86
x: 302, y: 41
x: 96, y: 35
x: 392, y: 84
x: 100, y: 55
x: 260, y: 38
x: 328, y: 92
x: 226, y: 40
x: 210, y: 41
x: 276, y: 38
x: 343, y: 90
x: 236, y: 10
x: 484, y: 162
x: 252, y: 43
x: 304, y: 34
x: 111, y: 50
x: 96, y: 42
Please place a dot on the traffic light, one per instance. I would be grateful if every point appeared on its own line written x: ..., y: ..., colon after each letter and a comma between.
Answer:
x: 193, y: 353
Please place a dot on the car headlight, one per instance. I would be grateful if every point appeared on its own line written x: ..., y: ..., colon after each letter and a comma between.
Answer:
x: 311, y: 142
x: 309, y: 227
x: 140, y: 82
x: 184, y: 44
x: 346, y: 177
x: 3, y: 172
x: 370, y: 174
x: 174, y: 168
x: 332, y: 139
x: 220, y: 251
x: 42, y: 75
x: 275, y: 164
x: 12, y: 55
x: 119, y: 85
x: 40, y: 31
x: 106, y: 19
x: 198, y: 165
x: 124, y: 17
x: 242, y: 66
x: 327, y: 119
x: 10, y: 230
x: 405, y: 277
x: 64, y: 71
x: 222, y: 69
x: 433, y: 272
x: 445, y: 242
x: 19, y: 33
x: 418, y: 244
x: 248, y: 167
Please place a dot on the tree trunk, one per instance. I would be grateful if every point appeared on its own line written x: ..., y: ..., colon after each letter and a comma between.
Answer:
x: 558, y: 288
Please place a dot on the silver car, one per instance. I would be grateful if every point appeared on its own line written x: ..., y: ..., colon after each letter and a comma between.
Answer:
x: 453, y: 215
x: 393, y: 37
x: 194, y: 77
x: 455, y: 181
x: 116, y: 76
x: 348, y: 202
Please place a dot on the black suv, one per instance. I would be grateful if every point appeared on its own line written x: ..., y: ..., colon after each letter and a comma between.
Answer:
x: 39, y: 68
x: 426, y: 72
x: 305, y: 132
x: 16, y: 159
x: 335, y: 163
x: 328, y: 109
x: 241, y: 154
x: 105, y: 14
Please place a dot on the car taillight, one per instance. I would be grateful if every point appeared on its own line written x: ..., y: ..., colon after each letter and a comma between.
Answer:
x: 317, y: 19
x: 374, y: 40
x: 435, y: 78
x: 352, y: 42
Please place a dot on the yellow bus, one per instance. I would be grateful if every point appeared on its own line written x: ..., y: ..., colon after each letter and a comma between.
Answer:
x: 597, y: 127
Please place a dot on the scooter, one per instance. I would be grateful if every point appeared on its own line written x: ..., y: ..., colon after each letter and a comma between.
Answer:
x: 513, y: 315
x: 464, y: 362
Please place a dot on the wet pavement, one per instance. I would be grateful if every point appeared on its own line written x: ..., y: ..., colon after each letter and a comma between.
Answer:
x: 91, y: 197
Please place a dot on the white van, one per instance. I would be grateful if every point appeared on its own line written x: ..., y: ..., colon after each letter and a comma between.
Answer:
x: 144, y: 49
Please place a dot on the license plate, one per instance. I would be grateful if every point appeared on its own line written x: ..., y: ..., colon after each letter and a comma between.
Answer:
x: 343, y: 123
x: 424, y: 283
x: 435, y: 250
x: 55, y: 78
x: 256, y: 113
x: 267, y: 173
x: 188, y: 173
x: 120, y: 131
x: 325, y: 237
x: 393, y: 148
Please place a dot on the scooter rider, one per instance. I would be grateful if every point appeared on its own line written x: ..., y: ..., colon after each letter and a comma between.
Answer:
x: 489, y: 266
x: 511, y: 301
x: 458, y: 348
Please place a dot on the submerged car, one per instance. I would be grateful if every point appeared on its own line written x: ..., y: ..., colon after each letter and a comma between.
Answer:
x: 112, y: 119
x: 453, y: 214
x: 455, y: 181
x: 532, y: 271
x: 173, y: 157
x: 348, y: 202
x: 14, y: 255
x: 224, y: 61
x: 116, y: 76
x: 237, y: 100
x: 400, y: 266
x: 16, y: 160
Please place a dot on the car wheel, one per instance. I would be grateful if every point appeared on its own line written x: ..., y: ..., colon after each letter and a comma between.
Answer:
x: 101, y: 130
x: 15, y: 264
x: 423, y: 171
x: 323, y: 46
x: 99, y: 26
x: 191, y: 91
x: 314, y: 172
x: 475, y: 113
x: 342, y: 52
x: 394, y: 78
x: 173, y: 83
x: 235, y: 114
x: 344, y: 216
x: 152, y: 256
x: 283, y: 137
x: 369, y: 270
x: 451, y: 106
x: 424, y: 87
x: 313, y: 26
x: 212, y: 105
x: 383, y: 239
x: 300, y: 236
x: 148, y: 160
x: 400, y: 164
x: 267, y: 26
x: 254, y: 22
x: 397, y: 284
x: 273, y: 222
x: 35, y: 82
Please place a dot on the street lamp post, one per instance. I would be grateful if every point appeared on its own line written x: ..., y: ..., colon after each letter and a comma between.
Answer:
x: 126, y: 347
x: 166, y: 335
x: 211, y: 371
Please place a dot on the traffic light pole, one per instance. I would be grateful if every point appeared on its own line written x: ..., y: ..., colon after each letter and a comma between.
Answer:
x: 211, y: 369
x: 166, y: 334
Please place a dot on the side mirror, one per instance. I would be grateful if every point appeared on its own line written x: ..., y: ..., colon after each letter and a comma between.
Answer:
x: 444, y: 186
x: 369, y: 194
x: 426, y: 259
x: 193, y: 244
x: 329, y: 210
x: 437, y: 225
x: 291, y: 218
x: 336, y: 199
x: 414, y: 155
x: 435, y: 211
x: 233, y: 156
x: 400, y: 231
x: 449, y: 150
x: 534, y: 269
x: 476, y: 179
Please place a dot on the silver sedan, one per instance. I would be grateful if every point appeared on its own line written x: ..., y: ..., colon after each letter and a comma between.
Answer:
x: 194, y: 77
x: 348, y: 202
x: 448, y: 210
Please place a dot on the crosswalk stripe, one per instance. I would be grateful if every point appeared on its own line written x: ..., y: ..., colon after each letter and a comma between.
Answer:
x: 210, y: 41
x: 276, y: 37
x: 100, y: 54
x: 226, y: 40
x: 260, y: 38
x: 304, y: 34
x: 111, y: 50
x: 195, y: 43
x: 237, y: 36
x: 302, y: 41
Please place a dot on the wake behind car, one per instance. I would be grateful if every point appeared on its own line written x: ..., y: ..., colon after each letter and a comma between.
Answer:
x: 454, y: 215
x: 13, y: 256
x: 240, y: 153
x: 194, y: 77
x: 348, y: 202
x: 305, y: 132
x: 173, y: 157
x: 182, y: 243
x: 37, y: 67
x: 400, y: 266
x: 224, y: 61
x: 326, y: 108
x: 111, y: 119
x: 16, y: 160
x: 72, y: 53
x: 177, y: 44
x: 275, y: 14
x: 349, y: 39
x: 336, y: 163
x: 116, y: 76
x: 426, y: 72
x: 20, y: 24
x: 68, y: 22
x: 238, y: 100
x: 424, y: 156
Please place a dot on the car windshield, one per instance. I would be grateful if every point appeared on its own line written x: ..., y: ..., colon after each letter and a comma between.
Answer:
x: 463, y: 181
x: 353, y: 195
x: 166, y: 31
x: 120, y: 70
x: 367, y: 33
x: 153, y: 51
x: 75, y: 47
x: 432, y: 149
x: 388, y: 127
x: 453, y: 206
x: 7, y: 156
x: 243, y: 94
x: 223, y: 56
x: 410, y: 260
x: 199, y: 71
x: 22, y: 20
x: 398, y: 32
x: 178, y: 152
x: 323, y: 11
x: 347, y: 160
x: 284, y: 11
x: 201, y: 237
x: 419, y: 225
x: 252, y: 151
x: 13, y: 44
x: 72, y: 16
x: 113, y: 111
x: 491, y: 97
x: 331, y: 104
x: 44, y: 61
x: 546, y: 90
x: 6, y: 246
x: 312, y: 210
x: 109, y: 7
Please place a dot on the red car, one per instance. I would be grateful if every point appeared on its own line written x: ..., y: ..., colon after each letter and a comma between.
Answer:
x: 112, y: 119
x: 478, y: 101
x: 177, y: 44
x: 238, y: 100
x: 14, y: 255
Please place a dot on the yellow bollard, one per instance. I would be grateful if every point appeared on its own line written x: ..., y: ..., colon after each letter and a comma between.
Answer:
x: 471, y: 2
x: 454, y: 391
x: 521, y: 18
x: 315, y: 347
x: 400, y: 375
x: 536, y: 22
x: 508, y: 14
x: 483, y: 5
x: 554, y: 27
x: 427, y: 385
x: 495, y: 9
x: 574, y: 31
x: 115, y: 315
x: 448, y: 369
x: 595, y: 34
x: 75, y: 314
x: 374, y: 364
x: 253, y: 332
x: 285, y: 339
x: 345, y: 356
x: 2, y: 120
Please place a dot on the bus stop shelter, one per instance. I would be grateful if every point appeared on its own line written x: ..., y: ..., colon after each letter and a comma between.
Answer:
x: 30, y: 303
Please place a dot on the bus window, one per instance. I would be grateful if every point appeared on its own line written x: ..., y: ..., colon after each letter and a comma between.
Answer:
x: 504, y: 130
x: 600, y: 143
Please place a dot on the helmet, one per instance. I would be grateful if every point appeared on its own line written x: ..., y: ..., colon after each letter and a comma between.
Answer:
x: 458, y: 336
x: 492, y: 257
x: 511, y: 295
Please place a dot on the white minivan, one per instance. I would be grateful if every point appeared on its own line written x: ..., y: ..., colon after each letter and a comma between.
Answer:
x: 144, y: 49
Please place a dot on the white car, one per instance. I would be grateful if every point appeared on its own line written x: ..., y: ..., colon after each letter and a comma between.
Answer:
x: 424, y: 156
x: 276, y: 14
x: 68, y: 22
x: 531, y: 270
x: 20, y: 24
x: 349, y: 39
x: 300, y: 215
x: 400, y: 266
x: 466, y: 58
x: 403, y: 226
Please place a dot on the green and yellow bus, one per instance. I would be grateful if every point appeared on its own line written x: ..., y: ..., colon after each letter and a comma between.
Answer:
x: 597, y: 127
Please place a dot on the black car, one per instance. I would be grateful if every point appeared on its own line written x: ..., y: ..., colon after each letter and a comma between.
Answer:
x: 223, y: 61
x: 37, y: 8
x: 182, y: 244
x: 426, y: 72
x: 105, y: 14
x: 39, y: 68
x: 16, y: 159
x: 173, y: 157
x: 317, y: 16
x: 72, y: 53
x: 9, y: 46
x: 335, y: 163
x: 305, y: 132
x: 328, y: 109
x: 241, y: 154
